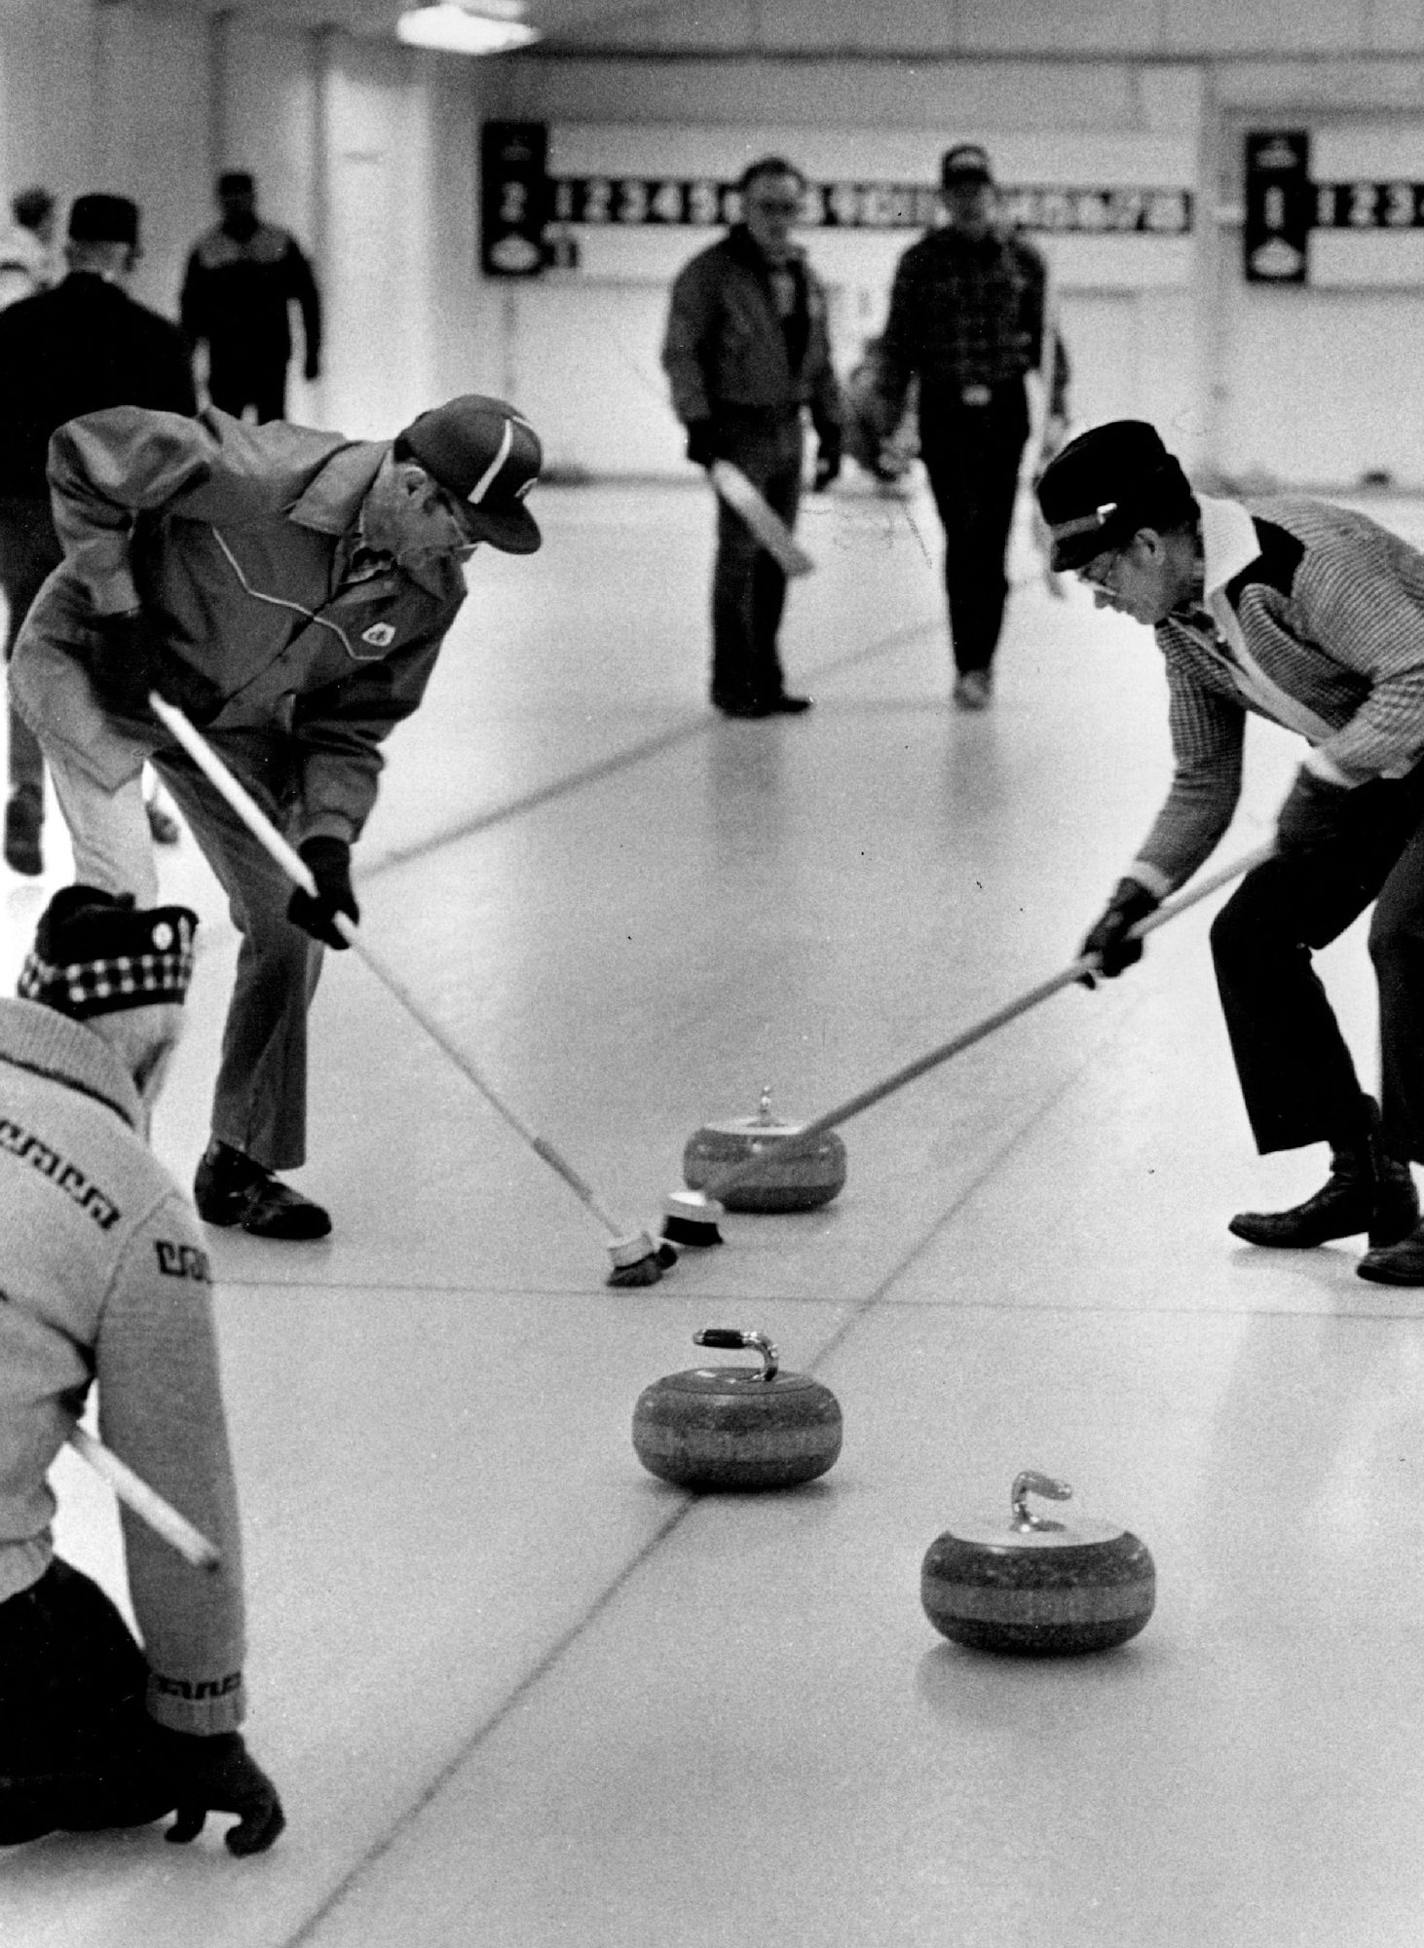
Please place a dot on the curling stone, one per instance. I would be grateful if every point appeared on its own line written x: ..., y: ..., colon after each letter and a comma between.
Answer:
x: 733, y: 1427
x: 805, y: 1180
x: 1035, y: 1587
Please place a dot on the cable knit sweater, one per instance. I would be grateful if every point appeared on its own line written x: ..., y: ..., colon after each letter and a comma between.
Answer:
x: 103, y: 1278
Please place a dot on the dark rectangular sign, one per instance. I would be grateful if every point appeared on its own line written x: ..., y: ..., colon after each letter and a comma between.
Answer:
x: 1279, y: 207
x: 514, y: 197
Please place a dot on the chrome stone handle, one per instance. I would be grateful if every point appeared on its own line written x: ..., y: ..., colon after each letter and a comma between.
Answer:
x: 734, y: 1341
x: 1030, y: 1482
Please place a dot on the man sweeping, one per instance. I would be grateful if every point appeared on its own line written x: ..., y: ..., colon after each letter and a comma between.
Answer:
x: 103, y: 1279
x: 1312, y: 616
x: 290, y: 590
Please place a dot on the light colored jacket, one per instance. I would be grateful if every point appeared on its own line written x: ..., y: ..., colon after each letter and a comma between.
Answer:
x: 231, y: 539
x: 105, y: 1279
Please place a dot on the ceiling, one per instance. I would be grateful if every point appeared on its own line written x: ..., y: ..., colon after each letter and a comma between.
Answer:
x: 627, y: 25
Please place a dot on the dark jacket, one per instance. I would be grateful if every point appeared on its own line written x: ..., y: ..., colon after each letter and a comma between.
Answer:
x: 232, y: 539
x: 76, y: 349
x: 236, y: 293
x: 725, y: 346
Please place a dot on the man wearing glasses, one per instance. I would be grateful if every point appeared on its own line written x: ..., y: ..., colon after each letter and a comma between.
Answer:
x: 747, y: 353
x: 1313, y: 616
x: 290, y: 590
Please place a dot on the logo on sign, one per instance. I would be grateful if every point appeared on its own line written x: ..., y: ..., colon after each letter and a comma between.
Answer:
x: 380, y: 635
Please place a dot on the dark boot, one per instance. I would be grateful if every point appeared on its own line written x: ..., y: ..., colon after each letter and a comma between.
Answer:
x: 24, y: 821
x: 1366, y: 1191
x: 231, y: 1189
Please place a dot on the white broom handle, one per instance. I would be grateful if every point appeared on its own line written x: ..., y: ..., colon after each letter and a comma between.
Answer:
x: 296, y: 869
x: 176, y: 1530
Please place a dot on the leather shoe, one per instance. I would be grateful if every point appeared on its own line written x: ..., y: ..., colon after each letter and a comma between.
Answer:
x: 1386, y: 1211
x: 1396, y: 1264
x: 230, y: 1189
x: 23, y: 823
x: 787, y: 706
x: 742, y: 707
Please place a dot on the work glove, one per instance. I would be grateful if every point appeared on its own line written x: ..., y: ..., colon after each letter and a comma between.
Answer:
x: 1108, y: 941
x: 217, y: 1775
x: 701, y: 442
x: 1310, y: 816
x: 329, y: 863
x: 828, y: 465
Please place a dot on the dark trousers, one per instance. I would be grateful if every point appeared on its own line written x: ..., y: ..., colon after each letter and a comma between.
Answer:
x: 234, y: 385
x: 1297, y: 1076
x: 72, y: 1685
x: 971, y: 456
x: 29, y: 552
x: 748, y: 588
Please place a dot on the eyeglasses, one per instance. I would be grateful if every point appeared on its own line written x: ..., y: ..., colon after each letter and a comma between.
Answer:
x: 776, y: 205
x: 1107, y: 579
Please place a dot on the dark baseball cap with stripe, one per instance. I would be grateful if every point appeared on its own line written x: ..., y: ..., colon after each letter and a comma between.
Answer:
x: 486, y: 456
x: 1103, y: 486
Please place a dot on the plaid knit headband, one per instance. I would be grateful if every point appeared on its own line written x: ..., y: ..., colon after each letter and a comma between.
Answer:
x: 94, y: 954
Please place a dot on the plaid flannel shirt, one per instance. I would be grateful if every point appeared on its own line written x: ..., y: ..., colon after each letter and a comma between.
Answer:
x: 1310, y: 615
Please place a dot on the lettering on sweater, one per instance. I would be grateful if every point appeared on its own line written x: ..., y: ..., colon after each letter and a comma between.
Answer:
x: 195, y: 1690
x: 67, y: 1176
x: 183, y: 1261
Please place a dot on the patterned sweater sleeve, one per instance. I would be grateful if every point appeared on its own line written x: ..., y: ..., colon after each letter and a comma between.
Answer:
x: 1208, y: 731
x: 161, y: 1411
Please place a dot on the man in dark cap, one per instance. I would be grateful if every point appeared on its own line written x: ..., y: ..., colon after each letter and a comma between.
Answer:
x: 1312, y: 616
x: 290, y: 590
x: 969, y: 320
x: 106, y: 1281
x: 242, y: 278
x: 81, y: 346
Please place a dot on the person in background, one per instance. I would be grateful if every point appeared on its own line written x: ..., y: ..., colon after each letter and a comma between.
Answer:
x: 290, y: 590
x: 747, y: 354
x: 83, y: 345
x: 241, y: 280
x: 26, y: 265
x: 967, y: 321
x: 106, y: 1282
x: 1311, y: 616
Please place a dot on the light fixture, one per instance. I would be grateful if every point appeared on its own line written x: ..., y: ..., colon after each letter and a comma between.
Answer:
x: 489, y: 27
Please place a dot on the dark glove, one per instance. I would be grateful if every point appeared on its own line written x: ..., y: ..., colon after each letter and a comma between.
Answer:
x: 1108, y: 942
x: 828, y: 465
x: 216, y: 1775
x: 1310, y: 817
x: 329, y: 863
x: 701, y: 442
x: 123, y: 666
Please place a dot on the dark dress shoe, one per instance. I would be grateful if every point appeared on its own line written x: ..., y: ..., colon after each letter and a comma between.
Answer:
x: 23, y: 824
x: 743, y: 707
x: 1385, y: 1209
x: 230, y: 1189
x: 1396, y: 1264
x: 164, y: 829
x: 790, y: 706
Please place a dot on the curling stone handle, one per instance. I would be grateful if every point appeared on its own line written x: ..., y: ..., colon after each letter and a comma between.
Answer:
x: 737, y: 1342
x: 1030, y: 1482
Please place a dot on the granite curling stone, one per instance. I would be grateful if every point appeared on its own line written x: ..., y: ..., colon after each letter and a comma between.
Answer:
x: 736, y: 1427
x: 802, y: 1181
x: 1038, y: 1588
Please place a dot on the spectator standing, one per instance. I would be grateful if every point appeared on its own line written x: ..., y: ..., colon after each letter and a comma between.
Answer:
x: 967, y: 320
x: 85, y: 344
x: 26, y: 265
x: 106, y: 1280
x: 747, y: 353
x: 242, y: 278
x: 289, y: 589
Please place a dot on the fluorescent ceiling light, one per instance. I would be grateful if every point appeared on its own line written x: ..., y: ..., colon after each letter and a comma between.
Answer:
x: 463, y: 30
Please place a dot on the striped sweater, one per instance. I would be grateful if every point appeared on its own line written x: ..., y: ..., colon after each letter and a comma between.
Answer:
x: 1313, y: 616
x: 103, y: 1278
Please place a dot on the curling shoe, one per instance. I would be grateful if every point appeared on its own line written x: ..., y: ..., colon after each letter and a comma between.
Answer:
x: 231, y: 1189
x: 1366, y: 1191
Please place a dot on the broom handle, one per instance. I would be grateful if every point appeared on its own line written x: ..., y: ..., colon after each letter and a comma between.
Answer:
x: 784, y: 1147
x: 134, y: 1491
x: 297, y: 870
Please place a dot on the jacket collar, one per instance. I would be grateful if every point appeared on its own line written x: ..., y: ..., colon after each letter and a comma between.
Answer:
x: 50, y: 1044
x: 1229, y: 542
x: 331, y: 503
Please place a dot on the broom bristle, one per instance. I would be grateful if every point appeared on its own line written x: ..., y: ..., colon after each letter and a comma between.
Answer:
x: 646, y: 1271
x: 692, y: 1231
x: 668, y: 1254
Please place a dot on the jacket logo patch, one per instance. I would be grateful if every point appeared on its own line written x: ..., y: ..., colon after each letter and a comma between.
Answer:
x: 380, y: 635
x: 68, y: 1176
x: 182, y: 1261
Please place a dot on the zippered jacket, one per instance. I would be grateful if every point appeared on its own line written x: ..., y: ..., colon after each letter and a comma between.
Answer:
x: 232, y: 541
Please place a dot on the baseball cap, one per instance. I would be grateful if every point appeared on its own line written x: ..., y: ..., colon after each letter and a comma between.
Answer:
x: 96, y: 952
x: 486, y: 456
x: 1105, y: 485
x: 966, y: 162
